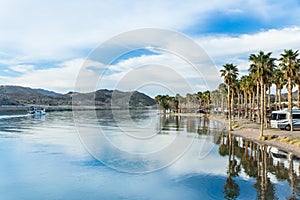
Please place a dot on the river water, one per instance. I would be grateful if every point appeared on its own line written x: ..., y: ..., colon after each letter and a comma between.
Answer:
x: 136, y: 155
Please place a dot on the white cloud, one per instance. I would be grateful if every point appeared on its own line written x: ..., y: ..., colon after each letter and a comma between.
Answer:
x: 56, y: 30
x: 229, y: 49
x: 62, y: 77
x: 59, y: 78
x: 167, y: 70
x: 233, y: 48
x: 22, y: 68
x: 65, y: 32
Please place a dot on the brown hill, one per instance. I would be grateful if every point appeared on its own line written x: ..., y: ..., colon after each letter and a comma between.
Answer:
x: 17, y: 95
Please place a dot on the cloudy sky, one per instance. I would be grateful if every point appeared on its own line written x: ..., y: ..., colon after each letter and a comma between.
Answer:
x: 46, y: 44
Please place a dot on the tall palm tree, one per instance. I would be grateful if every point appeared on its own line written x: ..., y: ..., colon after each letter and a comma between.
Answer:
x: 290, y: 65
x: 245, y: 88
x: 269, y: 76
x: 215, y: 99
x: 199, y: 96
x: 251, y: 91
x: 261, y: 66
x: 179, y: 99
x: 256, y: 78
x: 297, y: 81
x: 233, y: 91
x: 279, y: 82
x: 230, y: 73
x: 206, y: 96
x: 222, y: 91
x: 237, y: 87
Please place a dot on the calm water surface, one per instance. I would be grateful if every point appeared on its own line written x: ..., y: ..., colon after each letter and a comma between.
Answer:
x: 44, y: 158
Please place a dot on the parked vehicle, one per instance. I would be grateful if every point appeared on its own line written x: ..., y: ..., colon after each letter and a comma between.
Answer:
x: 283, y: 116
x: 285, y: 124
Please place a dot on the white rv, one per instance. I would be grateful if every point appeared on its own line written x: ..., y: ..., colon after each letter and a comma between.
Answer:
x: 281, y: 116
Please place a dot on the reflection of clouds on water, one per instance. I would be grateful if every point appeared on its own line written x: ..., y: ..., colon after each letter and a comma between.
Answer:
x: 47, y: 160
x: 173, y: 137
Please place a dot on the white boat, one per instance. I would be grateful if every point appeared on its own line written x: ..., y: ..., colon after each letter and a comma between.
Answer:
x: 36, y: 110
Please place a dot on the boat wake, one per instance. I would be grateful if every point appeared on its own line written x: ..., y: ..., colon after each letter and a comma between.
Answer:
x: 12, y: 116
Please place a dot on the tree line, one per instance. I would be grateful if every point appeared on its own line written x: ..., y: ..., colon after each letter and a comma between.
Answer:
x: 248, y: 96
x: 200, y: 101
x: 264, y: 71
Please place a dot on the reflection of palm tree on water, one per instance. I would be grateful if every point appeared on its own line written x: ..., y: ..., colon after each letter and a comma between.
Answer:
x: 256, y: 163
x: 231, y: 188
x: 292, y: 178
x: 265, y: 188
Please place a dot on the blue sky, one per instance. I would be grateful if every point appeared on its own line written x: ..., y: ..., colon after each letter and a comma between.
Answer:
x: 45, y: 44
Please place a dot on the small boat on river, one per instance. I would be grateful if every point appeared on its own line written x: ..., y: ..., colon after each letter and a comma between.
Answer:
x: 36, y: 110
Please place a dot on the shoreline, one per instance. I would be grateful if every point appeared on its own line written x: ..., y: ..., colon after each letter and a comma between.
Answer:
x: 246, y: 129
x: 21, y: 108
x: 251, y: 130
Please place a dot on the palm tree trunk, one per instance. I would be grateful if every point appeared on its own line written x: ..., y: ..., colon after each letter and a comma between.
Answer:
x: 232, y: 103
x: 262, y: 103
x: 292, y: 178
x: 257, y: 102
x: 242, y: 104
x: 290, y: 100
x: 239, y: 104
x: 245, y: 104
x: 276, y: 97
x: 265, y: 107
x: 222, y: 104
x: 229, y: 108
x: 253, y: 106
x: 279, y: 96
x: 249, y: 115
x: 298, y: 95
x: 269, y: 96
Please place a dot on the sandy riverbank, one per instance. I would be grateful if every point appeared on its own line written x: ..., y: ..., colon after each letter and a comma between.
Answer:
x: 251, y: 131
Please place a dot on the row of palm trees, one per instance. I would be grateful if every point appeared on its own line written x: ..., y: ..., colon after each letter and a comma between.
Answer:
x: 264, y: 71
x: 189, y: 103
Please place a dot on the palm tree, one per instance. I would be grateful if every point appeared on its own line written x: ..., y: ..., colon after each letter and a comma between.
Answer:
x: 297, y: 81
x: 206, y: 97
x: 163, y: 101
x: 290, y: 65
x: 158, y: 100
x: 222, y: 91
x: 245, y: 87
x: 216, y: 100
x: 251, y: 91
x: 261, y: 66
x: 255, y: 77
x: 269, y: 76
x: 230, y: 73
x: 199, y: 96
x: 269, y: 85
x: 173, y: 104
x: 237, y: 87
x: 233, y: 90
x: 279, y: 82
x: 179, y: 99
x: 231, y: 188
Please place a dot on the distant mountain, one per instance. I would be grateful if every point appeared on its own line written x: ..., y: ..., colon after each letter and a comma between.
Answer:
x: 17, y: 95
x: 113, y: 98
x: 284, y: 96
x: 46, y: 91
